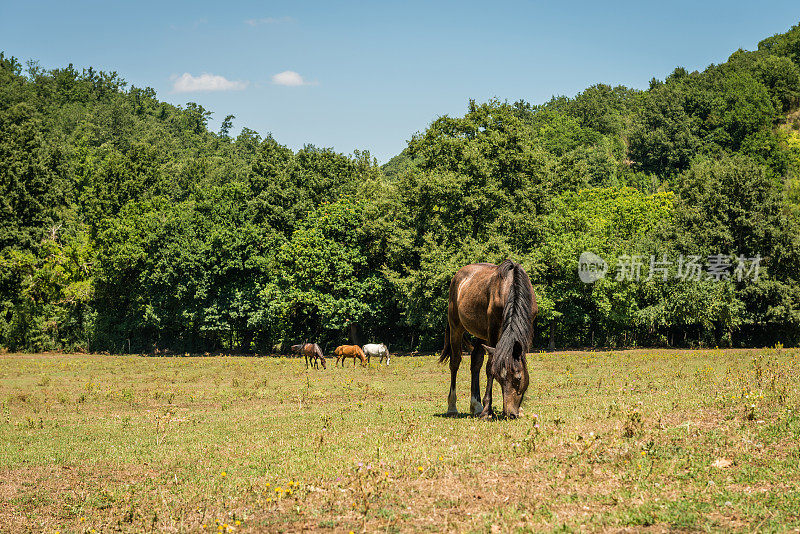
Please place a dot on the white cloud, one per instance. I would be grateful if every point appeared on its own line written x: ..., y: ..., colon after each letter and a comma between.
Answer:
x: 186, y: 83
x: 290, y: 78
x: 267, y: 20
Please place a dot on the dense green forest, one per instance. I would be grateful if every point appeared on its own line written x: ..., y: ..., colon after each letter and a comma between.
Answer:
x: 126, y: 225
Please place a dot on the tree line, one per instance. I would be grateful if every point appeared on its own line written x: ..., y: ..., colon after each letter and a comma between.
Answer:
x: 126, y: 225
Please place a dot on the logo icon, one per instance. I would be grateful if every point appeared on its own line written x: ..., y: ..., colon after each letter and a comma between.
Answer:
x: 591, y: 267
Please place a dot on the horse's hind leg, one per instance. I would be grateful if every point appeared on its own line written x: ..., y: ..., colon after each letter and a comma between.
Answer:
x: 455, y: 361
x: 475, y: 364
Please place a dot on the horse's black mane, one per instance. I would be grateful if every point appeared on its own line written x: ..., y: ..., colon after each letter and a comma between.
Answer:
x: 517, y: 317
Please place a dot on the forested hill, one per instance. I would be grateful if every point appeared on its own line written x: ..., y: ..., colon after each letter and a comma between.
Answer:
x: 126, y: 225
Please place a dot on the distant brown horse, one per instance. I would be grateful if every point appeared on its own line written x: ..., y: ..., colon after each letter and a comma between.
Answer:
x: 350, y: 351
x: 497, y: 305
x: 312, y: 354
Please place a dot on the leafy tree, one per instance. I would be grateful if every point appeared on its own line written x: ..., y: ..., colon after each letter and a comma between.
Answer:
x: 226, y: 126
x: 125, y: 224
x: 328, y: 277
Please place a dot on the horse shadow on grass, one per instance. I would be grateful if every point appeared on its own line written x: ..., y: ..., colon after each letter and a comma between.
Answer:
x: 463, y: 415
x: 459, y: 415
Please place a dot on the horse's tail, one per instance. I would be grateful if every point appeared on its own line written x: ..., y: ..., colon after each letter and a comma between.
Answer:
x: 518, y: 314
x: 446, y: 350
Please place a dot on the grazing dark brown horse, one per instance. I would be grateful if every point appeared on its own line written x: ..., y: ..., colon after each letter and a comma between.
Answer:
x: 312, y: 353
x: 350, y: 351
x: 497, y: 305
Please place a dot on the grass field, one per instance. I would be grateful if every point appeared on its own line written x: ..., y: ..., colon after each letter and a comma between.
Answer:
x: 631, y: 440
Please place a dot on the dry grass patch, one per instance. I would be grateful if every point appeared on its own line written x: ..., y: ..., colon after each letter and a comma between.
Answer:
x: 611, y: 441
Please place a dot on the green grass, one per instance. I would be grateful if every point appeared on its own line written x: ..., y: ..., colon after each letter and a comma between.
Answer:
x: 695, y: 440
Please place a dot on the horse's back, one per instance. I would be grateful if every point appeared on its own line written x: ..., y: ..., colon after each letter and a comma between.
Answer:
x: 477, y: 296
x: 348, y: 350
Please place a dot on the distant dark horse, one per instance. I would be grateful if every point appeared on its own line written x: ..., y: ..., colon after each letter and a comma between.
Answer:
x: 497, y: 305
x: 311, y: 352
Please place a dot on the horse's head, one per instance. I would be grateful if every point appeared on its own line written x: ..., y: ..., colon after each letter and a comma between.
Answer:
x: 511, y: 371
x: 296, y: 348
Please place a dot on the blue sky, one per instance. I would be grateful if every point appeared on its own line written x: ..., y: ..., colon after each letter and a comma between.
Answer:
x: 367, y: 75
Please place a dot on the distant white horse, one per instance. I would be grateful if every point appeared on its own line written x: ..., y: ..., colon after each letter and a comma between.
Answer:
x: 377, y: 350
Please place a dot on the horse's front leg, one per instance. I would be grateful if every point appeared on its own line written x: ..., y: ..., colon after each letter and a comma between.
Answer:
x: 475, y: 364
x: 487, y: 412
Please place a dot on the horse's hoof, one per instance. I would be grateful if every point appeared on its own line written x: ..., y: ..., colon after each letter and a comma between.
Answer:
x: 486, y: 415
x: 452, y: 412
x: 475, y: 406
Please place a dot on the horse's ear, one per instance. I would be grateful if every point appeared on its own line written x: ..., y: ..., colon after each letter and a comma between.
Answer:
x: 489, y: 350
